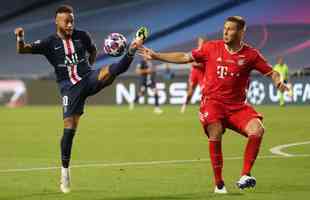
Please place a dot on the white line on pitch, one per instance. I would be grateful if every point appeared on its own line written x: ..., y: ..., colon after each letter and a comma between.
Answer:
x: 124, y: 164
x: 277, y: 150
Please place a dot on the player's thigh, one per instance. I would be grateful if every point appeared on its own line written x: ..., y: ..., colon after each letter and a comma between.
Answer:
x: 241, y: 118
x: 72, y: 122
x: 73, y: 102
x: 212, y: 112
x: 98, y: 79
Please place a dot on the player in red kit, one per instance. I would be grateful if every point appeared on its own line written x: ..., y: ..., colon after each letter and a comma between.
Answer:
x: 223, y: 105
x: 195, y: 77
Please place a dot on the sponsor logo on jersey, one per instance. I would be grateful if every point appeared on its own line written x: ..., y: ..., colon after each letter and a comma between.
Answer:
x: 241, y: 62
x: 57, y: 47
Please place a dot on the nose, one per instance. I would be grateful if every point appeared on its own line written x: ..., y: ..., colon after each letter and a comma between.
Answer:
x: 225, y: 31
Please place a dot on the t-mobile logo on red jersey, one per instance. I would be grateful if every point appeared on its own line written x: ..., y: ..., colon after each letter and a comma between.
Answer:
x: 222, y: 71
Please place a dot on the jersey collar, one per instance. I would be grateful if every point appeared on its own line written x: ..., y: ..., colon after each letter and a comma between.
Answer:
x: 234, y: 52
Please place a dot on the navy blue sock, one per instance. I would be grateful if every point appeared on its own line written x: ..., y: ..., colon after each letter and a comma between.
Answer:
x: 156, y: 100
x: 122, y: 66
x: 137, y: 98
x: 66, y: 146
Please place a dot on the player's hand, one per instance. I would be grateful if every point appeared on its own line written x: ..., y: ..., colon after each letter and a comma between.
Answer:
x: 146, y: 53
x: 19, y: 32
x: 197, y: 65
x: 282, y: 87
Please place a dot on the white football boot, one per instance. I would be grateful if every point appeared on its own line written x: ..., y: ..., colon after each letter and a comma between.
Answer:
x: 246, y: 182
x: 65, y: 180
x: 220, y: 190
x: 158, y: 111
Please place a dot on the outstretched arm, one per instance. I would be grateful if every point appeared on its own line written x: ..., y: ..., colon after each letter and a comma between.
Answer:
x: 280, y: 85
x: 173, y: 57
x: 21, y: 46
x: 261, y: 64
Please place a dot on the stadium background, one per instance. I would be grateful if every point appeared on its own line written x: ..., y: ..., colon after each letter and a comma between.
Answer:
x: 277, y: 28
x: 122, y: 154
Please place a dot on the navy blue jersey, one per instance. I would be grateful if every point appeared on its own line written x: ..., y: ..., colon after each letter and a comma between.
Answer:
x: 68, y: 57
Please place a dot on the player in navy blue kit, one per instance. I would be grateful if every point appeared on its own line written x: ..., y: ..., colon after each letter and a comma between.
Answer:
x: 71, y: 52
x: 147, y: 75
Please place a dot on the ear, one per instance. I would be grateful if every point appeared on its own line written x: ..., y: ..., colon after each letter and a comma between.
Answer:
x: 241, y: 33
x: 56, y: 20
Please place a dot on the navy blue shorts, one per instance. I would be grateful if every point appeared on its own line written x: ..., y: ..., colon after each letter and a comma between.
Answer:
x: 73, y: 99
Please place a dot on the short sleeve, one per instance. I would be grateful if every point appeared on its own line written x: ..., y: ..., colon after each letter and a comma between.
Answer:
x: 40, y: 47
x: 260, y: 64
x: 200, y: 54
x: 88, y: 42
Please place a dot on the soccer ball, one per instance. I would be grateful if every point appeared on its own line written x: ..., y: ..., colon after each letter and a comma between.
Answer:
x: 115, y: 44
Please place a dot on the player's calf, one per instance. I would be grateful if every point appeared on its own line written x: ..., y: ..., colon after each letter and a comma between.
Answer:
x: 122, y: 66
x: 255, y: 132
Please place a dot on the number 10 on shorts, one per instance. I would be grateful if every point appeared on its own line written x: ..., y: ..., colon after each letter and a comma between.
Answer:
x: 65, y: 102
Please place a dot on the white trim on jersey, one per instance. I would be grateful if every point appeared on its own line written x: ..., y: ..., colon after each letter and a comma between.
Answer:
x: 72, y: 68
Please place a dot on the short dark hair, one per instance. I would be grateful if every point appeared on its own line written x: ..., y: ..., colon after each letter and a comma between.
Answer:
x: 237, y: 19
x: 64, y: 9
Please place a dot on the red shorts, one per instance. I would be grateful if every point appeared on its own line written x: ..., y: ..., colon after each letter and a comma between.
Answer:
x: 195, y: 77
x: 232, y: 116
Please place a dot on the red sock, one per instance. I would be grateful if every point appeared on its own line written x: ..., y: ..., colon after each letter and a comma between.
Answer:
x: 216, y: 156
x: 250, y: 153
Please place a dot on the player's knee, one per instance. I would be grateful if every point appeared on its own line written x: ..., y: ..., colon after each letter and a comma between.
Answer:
x: 105, y: 77
x: 103, y: 74
x: 215, y: 131
x: 255, y: 127
x: 257, y: 130
x: 213, y: 136
x: 71, y: 122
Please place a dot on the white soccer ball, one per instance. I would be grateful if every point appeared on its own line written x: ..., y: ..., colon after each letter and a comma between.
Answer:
x: 115, y: 44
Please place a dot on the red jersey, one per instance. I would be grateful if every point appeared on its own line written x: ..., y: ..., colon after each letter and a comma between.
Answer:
x: 227, y: 75
x: 197, y: 74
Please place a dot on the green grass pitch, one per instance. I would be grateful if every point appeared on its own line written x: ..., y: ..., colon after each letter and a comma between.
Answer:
x: 114, y: 147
